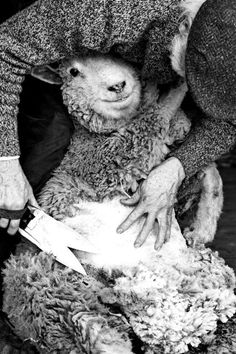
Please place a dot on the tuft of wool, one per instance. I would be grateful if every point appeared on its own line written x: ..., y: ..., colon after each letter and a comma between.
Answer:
x: 180, y: 304
x: 59, y: 309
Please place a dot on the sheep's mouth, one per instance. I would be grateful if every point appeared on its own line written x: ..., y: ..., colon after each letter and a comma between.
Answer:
x: 120, y: 103
x: 119, y: 99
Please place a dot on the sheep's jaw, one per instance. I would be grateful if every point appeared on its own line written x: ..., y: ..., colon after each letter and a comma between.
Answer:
x: 97, y: 123
x: 101, y: 114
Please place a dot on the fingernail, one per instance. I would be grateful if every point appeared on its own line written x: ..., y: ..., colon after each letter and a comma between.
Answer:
x: 157, y: 248
x: 137, y: 244
x: 119, y: 231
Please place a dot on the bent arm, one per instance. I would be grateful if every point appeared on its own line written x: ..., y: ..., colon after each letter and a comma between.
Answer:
x: 208, y: 140
x: 211, y: 78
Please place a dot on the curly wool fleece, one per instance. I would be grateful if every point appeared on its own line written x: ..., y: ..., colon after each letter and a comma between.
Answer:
x: 174, y: 301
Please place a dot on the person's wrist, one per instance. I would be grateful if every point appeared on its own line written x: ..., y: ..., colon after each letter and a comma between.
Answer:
x: 9, y: 158
x: 10, y: 168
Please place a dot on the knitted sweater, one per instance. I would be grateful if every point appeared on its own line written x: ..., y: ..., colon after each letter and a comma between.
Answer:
x: 140, y: 31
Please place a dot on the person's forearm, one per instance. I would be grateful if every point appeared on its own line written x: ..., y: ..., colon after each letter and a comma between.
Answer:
x: 206, y: 143
x: 10, y: 87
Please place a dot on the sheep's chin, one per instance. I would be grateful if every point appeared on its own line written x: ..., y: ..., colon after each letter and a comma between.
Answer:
x: 107, y: 116
x: 100, y: 124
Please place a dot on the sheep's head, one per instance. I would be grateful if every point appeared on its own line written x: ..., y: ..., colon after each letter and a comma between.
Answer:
x: 101, y: 92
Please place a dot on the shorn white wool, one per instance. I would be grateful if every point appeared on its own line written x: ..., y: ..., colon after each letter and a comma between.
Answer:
x: 97, y: 222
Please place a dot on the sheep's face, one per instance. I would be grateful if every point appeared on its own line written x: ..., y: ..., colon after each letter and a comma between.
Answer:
x: 101, y: 92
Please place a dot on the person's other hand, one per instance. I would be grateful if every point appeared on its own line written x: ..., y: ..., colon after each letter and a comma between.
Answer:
x: 155, y: 197
x: 15, y: 192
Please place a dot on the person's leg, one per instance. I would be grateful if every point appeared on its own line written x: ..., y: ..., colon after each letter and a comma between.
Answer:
x: 45, y: 129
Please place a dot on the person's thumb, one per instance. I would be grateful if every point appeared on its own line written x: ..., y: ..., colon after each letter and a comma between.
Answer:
x: 132, y: 200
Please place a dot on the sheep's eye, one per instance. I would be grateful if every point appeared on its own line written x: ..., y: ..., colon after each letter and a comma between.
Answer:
x: 74, y: 72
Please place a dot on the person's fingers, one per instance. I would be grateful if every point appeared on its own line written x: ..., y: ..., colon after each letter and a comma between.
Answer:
x: 132, y: 217
x: 4, y: 223
x: 132, y: 200
x: 162, y: 221
x: 146, y: 229
x: 13, y: 227
x: 169, y: 217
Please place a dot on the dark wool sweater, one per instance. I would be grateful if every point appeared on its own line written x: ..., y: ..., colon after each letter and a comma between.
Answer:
x: 139, y: 30
x: 211, y: 78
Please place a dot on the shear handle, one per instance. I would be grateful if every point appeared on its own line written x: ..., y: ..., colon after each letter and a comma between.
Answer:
x: 26, y: 218
x: 12, y: 214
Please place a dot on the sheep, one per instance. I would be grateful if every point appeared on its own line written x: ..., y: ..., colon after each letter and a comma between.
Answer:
x: 108, y: 158
x: 164, y: 122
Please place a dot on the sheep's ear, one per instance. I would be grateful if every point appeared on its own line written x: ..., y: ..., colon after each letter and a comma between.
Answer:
x: 46, y: 73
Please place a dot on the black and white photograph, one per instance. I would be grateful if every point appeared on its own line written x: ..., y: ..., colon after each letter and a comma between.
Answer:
x: 118, y: 177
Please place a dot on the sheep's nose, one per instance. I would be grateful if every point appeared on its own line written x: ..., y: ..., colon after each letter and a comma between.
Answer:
x: 118, y: 88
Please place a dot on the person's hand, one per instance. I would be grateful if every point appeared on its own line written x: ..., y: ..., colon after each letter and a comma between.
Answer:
x: 15, y: 192
x: 155, y: 197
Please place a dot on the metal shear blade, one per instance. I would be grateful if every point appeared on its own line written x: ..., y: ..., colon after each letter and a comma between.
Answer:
x: 54, y: 237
